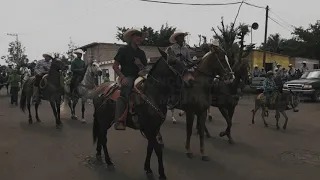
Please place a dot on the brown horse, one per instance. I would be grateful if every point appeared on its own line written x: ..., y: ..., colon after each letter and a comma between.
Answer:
x: 147, y: 108
x: 279, y: 102
x: 51, y: 90
x: 197, y: 100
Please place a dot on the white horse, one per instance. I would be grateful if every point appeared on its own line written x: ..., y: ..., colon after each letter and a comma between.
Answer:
x: 85, y: 91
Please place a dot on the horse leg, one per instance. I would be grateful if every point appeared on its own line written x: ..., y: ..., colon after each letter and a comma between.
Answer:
x: 160, y: 139
x: 189, y: 118
x: 99, y: 149
x: 202, y: 122
x: 83, y: 109
x: 70, y: 106
x: 286, y: 119
x: 74, y: 104
x: 102, y: 139
x: 29, y: 109
x: 58, y: 102
x: 277, y: 119
x: 53, y: 107
x: 254, y: 111
x: 150, y: 147
x: 205, y: 130
x: 159, y: 153
x: 209, y: 115
x: 263, y: 114
x: 174, y: 121
x: 225, y: 113
x: 36, y: 106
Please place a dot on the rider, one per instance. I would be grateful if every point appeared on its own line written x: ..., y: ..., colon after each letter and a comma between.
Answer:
x: 182, y: 53
x: 132, y: 59
x: 77, y: 69
x: 291, y: 71
x: 42, y: 68
x: 269, y: 86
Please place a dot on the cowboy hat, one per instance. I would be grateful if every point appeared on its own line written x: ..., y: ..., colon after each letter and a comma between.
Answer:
x: 216, y: 42
x: 78, y: 51
x: 128, y: 34
x: 290, y: 65
x: 304, y: 62
x: 172, y: 38
x: 47, y: 54
x: 256, y: 65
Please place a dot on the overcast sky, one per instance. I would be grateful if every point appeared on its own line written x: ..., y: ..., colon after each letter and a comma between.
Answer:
x: 48, y: 25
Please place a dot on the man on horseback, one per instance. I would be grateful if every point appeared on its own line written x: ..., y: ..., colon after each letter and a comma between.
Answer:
x: 42, y: 68
x: 78, y: 70
x: 269, y: 86
x: 132, y: 59
x: 179, y: 47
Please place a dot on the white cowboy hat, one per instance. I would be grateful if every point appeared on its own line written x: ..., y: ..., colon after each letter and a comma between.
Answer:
x: 172, y: 38
x: 78, y: 51
x: 47, y: 54
x: 256, y: 65
x: 216, y: 42
x: 304, y: 62
x: 290, y: 65
x: 128, y: 34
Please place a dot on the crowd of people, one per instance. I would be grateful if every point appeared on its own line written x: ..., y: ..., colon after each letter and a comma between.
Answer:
x: 282, y: 72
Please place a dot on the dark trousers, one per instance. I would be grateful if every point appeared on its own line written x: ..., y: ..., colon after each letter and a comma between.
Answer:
x: 75, y: 80
x: 125, y: 91
x: 267, y: 94
x: 37, y: 80
x: 14, y: 95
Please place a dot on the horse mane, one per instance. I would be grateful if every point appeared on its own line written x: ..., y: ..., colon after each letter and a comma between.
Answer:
x: 155, y: 65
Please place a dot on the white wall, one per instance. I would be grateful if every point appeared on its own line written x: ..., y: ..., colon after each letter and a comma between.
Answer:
x: 110, y: 69
x: 310, y: 62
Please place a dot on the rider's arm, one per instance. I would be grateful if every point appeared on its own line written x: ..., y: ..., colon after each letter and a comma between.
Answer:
x: 118, y: 59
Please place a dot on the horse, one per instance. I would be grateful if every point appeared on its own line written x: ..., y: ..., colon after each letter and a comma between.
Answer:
x: 278, y: 102
x: 149, y: 107
x: 84, y: 89
x: 197, y: 99
x: 51, y: 89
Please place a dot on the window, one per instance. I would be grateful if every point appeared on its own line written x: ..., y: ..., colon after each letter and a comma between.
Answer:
x: 311, y: 75
x: 316, y: 66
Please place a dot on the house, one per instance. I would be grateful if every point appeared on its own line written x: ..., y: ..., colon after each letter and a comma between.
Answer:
x: 256, y: 58
x: 104, y: 53
x: 311, y: 63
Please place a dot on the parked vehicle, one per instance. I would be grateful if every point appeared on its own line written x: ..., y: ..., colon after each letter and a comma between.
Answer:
x: 308, y: 85
x: 257, y: 83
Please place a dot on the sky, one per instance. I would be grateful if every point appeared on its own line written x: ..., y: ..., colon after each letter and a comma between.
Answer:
x: 47, y: 25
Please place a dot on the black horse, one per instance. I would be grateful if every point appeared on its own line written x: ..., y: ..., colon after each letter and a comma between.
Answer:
x: 51, y: 90
x: 150, y: 108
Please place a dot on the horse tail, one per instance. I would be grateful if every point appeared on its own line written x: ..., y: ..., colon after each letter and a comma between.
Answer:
x: 23, y: 98
x: 95, y: 129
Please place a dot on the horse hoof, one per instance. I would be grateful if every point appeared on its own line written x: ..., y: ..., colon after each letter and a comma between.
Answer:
x: 99, y: 158
x: 39, y: 121
x: 222, y: 134
x: 284, y: 127
x: 148, y: 172
x: 162, y: 177
x: 205, y: 158
x: 190, y: 155
x: 111, y: 167
x: 83, y: 121
x: 162, y: 145
x: 231, y: 141
x: 296, y: 110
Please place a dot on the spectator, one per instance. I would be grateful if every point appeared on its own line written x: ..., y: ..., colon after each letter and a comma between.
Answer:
x: 256, y: 71
x: 14, y: 81
x: 304, y: 67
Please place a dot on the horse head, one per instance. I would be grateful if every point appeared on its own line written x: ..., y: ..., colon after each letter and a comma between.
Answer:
x: 94, y: 68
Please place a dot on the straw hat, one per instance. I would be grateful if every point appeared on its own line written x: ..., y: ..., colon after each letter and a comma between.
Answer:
x: 78, y: 51
x: 128, y: 34
x: 47, y: 54
x: 304, y: 62
x: 172, y: 38
x: 256, y: 65
x: 290, y: 65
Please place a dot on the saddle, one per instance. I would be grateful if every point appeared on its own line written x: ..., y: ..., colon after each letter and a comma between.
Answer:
x: 273, y: 98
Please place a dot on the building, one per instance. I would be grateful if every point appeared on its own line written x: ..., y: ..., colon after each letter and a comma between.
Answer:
x: 311, y: 63
x: 104, y: 53
x: 256, y: 58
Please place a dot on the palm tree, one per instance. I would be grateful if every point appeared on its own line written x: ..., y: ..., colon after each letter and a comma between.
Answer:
x: 274, y: 44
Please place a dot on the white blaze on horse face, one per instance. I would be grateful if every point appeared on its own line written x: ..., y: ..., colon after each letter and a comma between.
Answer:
x: 95, y: 68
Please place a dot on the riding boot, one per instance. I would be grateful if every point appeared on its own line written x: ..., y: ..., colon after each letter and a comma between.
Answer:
x: 121, y: 114
x: 35, y: 94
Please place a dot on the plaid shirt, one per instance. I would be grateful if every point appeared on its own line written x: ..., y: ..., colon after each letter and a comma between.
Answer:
x: 269, y: 85
x: 42, y: 66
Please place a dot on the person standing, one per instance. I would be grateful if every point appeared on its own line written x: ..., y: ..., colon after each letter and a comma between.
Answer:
x: 131, y: 59
x: 14, y: 81
x: 256, y: 71
x: 304, y: 67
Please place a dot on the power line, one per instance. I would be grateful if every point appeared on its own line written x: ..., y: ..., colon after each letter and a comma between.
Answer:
x: 288, y: 24
x: 253, y: 5
x: 275, y: 21
x: 235, y: 19
x: 191, y: 4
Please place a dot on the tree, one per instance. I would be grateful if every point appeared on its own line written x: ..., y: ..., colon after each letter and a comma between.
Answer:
x: 274, y: 44
x: 71, y: 49
x: 231, y: 40
x: 16, y: 54
x: 156, y: 38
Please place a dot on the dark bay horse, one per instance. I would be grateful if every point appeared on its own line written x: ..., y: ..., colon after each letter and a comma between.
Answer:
x: 51, y: 90
x: 226, y: 97
x: 197, y: 100
x: 150, y: 108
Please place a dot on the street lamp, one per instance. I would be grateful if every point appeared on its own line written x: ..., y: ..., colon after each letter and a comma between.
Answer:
x: 254, y: 26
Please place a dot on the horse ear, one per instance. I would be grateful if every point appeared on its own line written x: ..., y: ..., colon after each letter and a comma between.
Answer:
x: 163, y: 54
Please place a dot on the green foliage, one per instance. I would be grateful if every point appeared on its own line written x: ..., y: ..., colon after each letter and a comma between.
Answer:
x: 16, y: 54
x: 158, y: 38
x: 71, y: 49
x: 304, y: 43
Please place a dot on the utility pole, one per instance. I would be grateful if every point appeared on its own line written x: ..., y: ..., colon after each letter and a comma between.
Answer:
x: 265, y: 36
